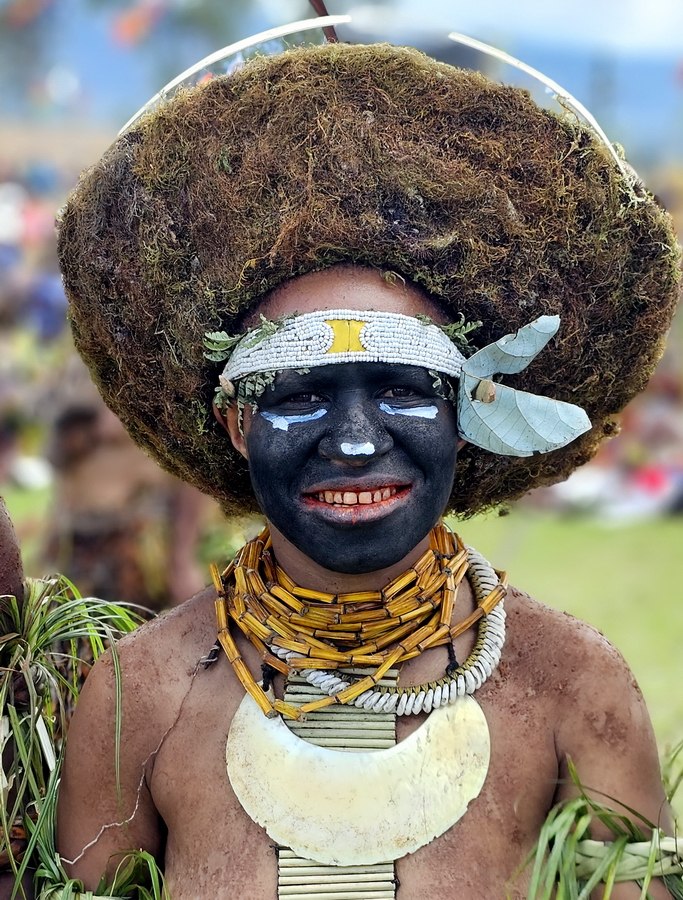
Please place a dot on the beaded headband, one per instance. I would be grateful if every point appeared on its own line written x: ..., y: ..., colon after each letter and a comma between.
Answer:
x: 492, y: 416
x: 332, y: 336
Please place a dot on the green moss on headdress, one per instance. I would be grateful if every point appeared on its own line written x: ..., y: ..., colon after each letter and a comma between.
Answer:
x: 376, y: 156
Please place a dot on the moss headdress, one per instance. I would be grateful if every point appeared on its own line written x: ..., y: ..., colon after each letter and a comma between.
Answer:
x: 377, y: 156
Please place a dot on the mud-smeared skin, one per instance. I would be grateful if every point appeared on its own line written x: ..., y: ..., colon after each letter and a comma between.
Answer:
x: 11, y: 569
x: 538, y: 706
x: 364, y: 403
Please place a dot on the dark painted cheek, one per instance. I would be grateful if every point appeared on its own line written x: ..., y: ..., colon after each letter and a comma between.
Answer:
x: 430, y: 444
x: 277, y: 456
x: 431, y: 447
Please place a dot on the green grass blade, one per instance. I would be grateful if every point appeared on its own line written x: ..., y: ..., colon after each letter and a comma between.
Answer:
x: 609, y: 861
x: 568, y: 876
x: 40, y: 641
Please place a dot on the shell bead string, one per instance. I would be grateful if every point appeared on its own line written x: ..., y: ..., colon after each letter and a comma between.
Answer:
x: 295, y: 628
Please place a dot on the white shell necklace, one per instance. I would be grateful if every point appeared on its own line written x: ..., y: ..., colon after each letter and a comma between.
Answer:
x: 290, y: 778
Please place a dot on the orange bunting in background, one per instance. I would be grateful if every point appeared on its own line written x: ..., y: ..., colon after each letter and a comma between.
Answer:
x: 135, y: 24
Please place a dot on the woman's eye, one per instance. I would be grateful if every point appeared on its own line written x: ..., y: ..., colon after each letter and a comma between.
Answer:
x: 400, y: 393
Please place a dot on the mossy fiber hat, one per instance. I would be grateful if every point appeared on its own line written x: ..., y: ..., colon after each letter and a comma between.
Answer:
x: 375, y: 156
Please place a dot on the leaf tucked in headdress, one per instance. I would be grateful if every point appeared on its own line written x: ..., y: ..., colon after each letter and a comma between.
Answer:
x: 266, y: 329
x: 456, y: 332
x: 220, y: 344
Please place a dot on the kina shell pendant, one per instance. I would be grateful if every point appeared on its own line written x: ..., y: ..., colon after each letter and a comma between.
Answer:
x: 357, y: 808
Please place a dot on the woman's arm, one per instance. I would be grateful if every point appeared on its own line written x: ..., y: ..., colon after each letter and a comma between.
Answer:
x: 605, y: 731
x: 105, y: 807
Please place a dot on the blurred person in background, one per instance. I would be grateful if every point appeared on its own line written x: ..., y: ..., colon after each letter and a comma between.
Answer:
x: 120, y: 527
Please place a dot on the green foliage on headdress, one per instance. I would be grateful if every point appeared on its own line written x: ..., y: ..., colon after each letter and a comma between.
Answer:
x: 220, y: 345
x: 456, y: 332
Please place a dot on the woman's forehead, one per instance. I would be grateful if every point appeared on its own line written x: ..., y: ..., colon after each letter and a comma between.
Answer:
x: 346, y: 287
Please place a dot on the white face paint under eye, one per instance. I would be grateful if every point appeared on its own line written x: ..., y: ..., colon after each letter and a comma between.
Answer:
x: 282, y: 423
x: 421, y: 412
x: 366, y: 449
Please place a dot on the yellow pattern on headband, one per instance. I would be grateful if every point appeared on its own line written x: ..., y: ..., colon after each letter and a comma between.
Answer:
x: 346, y: 335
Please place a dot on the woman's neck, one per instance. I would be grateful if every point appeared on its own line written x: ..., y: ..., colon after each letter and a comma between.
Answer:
x: 307, y: 573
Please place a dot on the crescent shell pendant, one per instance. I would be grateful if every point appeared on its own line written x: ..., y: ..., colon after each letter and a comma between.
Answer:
x: 357, y: 808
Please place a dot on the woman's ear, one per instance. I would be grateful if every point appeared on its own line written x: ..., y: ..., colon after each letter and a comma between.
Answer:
x: 230, y: 421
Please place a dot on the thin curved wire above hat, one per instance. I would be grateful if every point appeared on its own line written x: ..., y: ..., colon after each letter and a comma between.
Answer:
x: 560, y: 94
x: 316, y: 30
x: 234, y: 55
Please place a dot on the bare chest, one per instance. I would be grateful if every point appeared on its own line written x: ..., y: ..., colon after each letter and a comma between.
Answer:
x: 214, y: 848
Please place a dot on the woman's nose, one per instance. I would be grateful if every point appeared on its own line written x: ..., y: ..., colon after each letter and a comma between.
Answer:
x: 355, y: 435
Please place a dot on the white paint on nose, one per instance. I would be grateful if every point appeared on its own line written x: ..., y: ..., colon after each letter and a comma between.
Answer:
x: 282, y: 423
x: 422, y: 412
x: 366, y: 449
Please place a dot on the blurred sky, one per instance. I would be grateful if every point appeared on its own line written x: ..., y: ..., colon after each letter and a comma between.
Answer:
x: 97, y: 61
x: 624, y: 26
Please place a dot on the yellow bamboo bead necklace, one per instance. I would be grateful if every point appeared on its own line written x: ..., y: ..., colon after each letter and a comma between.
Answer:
x: 317, y: 631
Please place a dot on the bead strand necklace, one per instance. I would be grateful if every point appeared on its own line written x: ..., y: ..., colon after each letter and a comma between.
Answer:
x: 296, y: 628
x: 458, y: 680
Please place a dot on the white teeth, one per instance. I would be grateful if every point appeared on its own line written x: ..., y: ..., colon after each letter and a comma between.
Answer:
x: 353, y: 498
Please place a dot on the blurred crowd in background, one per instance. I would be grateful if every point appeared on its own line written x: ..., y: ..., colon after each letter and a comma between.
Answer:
x: 117, y: 525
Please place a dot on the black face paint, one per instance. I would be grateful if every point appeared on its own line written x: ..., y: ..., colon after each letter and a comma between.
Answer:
x: 353, y: 462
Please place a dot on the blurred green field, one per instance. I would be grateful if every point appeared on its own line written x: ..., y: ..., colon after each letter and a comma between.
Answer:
x: 625, y: 580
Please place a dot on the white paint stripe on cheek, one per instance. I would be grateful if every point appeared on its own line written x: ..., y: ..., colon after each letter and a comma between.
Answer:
x: 366, y: 449
x: 282, y: 423
x: 422, y: 412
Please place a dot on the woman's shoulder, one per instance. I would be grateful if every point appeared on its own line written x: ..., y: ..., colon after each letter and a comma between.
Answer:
x: 149, y: 671
x: 558, y: 645
x: 178, y: 637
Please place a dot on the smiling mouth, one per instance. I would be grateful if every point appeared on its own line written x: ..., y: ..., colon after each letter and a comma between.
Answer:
x: 357, y: 498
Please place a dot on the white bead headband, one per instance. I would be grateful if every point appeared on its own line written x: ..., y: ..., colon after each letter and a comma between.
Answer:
x: 491, y: 415
x: 326, y: 337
